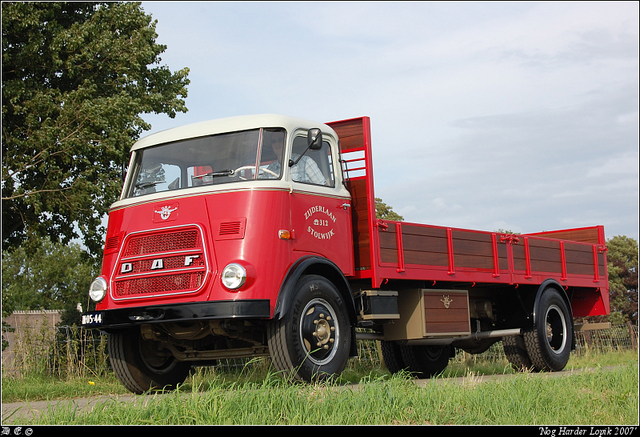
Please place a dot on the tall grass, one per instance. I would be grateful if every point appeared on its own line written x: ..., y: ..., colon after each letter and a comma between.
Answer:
x: 592, y: 397
x: 71, y: 352
x: 249, y: 392
x: 62, y: 352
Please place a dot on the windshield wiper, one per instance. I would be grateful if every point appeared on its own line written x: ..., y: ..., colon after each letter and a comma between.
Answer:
x: 227, y: 172
x: 148, y: 184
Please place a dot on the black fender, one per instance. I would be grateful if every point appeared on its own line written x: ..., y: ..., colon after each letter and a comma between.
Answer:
x: 536, y: 304
x: 316, y: 265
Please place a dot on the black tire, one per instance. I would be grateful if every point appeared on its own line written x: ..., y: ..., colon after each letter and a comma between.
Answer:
x: 549, y: 342
x: 392, y: 356
x: 311, y: 342
x: 426, y: 361
x: 516, y: 352
x: 141, y: 366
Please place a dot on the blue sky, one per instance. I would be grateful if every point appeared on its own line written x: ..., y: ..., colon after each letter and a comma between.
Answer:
x: 516, y: 116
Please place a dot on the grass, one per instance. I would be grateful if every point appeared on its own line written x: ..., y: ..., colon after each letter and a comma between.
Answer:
x: 257, y: 396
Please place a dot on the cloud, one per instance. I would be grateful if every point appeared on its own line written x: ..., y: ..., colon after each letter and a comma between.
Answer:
x: 520, y: 116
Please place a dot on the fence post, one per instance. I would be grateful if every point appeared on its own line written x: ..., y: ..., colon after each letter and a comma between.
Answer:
x: 634, y: 345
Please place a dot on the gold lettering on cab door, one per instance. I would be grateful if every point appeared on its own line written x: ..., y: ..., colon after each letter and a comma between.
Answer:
x: 320, y: 222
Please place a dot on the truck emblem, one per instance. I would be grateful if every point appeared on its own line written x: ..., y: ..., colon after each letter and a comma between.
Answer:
x: 446, y: 300
x: 165, y: 212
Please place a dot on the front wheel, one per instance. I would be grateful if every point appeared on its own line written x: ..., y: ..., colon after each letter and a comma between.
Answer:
x: 312, y: 341
x: 142, y: 365
x: 549, y: 342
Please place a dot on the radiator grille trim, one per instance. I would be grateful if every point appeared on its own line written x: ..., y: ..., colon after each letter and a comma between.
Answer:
x: 161, y: 262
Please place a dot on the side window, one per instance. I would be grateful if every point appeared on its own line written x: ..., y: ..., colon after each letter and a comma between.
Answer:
x: 315, y: 167
x: 271, y: 154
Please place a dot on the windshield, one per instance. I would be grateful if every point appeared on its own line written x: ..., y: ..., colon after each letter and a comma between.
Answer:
x: 216, y: 159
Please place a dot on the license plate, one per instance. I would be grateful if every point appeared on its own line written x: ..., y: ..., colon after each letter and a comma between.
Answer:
x: 92, y: 319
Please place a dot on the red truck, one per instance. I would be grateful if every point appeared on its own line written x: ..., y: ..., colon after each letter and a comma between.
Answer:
x: 257, y: 235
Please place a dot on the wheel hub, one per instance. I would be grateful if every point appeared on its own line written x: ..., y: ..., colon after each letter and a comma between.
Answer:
x: 318, y: 331
x: 556, y: 327
x: 323, y: 331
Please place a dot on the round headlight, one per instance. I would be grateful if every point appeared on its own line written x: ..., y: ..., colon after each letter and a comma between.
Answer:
x: 98, y: 289
x: 234, y: 276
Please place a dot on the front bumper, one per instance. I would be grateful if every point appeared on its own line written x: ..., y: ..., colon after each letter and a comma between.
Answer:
x: 187, y: 312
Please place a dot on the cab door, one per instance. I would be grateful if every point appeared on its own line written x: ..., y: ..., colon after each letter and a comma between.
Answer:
x: 320, y: 204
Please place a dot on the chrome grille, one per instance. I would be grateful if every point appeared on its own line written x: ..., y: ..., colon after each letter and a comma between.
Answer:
x: 162, y: 242
x: 161, y: 262
x: 158, y: 285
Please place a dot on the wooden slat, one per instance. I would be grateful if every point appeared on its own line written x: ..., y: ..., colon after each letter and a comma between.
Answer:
x: 440, y: 319
x: 590, y: 235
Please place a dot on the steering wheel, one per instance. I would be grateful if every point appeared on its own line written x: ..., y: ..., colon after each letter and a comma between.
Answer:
x: 249, y: 167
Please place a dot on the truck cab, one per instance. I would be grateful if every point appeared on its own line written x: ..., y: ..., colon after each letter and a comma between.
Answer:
x: 215, y: 220
x: 210, y: 213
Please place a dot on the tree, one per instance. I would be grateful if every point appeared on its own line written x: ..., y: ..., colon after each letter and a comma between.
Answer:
x: 46, y: 275
x: 75, y: 79
x: 385, y: 212
x: 622, y: 255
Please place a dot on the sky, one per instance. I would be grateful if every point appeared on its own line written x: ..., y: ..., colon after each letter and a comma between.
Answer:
x: 487, y: 116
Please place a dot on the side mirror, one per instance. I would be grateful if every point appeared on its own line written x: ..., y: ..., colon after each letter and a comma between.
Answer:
x: 314, y: 142
x: 314, y: 139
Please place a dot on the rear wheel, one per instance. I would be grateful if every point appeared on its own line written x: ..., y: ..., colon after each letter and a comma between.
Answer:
x: 549, y: 342
x: 392, y: 356
x: 426, y: 361
x: 142, y: 365
x: 516, y: 352
x: 312, y: 341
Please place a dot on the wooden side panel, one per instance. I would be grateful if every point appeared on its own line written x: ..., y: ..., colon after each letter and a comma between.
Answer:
x: 428, y: 246
x: 360, y: 221
x: 473, y: 250
x: 579, y: 259
x: 591, y: 235
x: 422, y: 245
x: 545, y: 256
x: 355, y: 147
x: 350, y: 132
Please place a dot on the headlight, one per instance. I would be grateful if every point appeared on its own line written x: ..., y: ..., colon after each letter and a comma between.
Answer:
x: 98, y: 289
x: 234, y: 276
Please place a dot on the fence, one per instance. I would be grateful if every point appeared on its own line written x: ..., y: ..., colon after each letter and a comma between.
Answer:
x: 80, y: 352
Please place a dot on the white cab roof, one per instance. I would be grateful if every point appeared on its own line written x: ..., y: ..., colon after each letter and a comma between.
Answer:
x: 230, y: 124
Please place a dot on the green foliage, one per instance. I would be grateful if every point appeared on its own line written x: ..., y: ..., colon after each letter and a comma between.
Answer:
x: 385, y: 212
x: 75, y: 79
x: 622, y: 255
x: 45, y: 275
